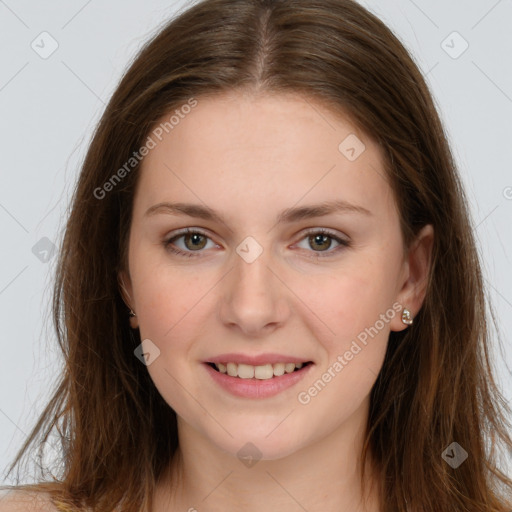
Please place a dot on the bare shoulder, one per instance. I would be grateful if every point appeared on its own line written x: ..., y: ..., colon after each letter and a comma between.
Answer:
x: 24, y: 501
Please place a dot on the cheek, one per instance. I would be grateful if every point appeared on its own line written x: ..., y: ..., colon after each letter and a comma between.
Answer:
x: 167, y: 297
x: 176, y: 311
x: 357, y: 311
x: 172, y: 315
x: 352, y: 301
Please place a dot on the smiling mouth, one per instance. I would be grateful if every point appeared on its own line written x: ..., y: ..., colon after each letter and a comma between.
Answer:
x: 262, y: 372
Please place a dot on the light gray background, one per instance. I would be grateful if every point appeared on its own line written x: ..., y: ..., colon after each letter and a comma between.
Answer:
x: 48, y: 109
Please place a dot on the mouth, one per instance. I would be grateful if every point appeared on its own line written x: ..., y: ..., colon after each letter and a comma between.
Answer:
x: 260, y: 372
x: 257, y: 376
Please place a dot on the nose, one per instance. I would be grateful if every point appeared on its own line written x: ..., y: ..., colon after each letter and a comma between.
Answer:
x: 254, y: 297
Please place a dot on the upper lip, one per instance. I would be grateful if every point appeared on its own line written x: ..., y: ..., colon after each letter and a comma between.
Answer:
x: 256, y: 360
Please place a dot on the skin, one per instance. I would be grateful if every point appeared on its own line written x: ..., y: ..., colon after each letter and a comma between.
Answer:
x: 249, y: 157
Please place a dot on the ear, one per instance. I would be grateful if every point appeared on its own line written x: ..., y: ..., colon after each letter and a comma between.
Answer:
x: 125, y: 287
x: 416, y: 271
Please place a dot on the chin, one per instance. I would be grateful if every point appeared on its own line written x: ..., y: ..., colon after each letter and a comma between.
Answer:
x: 259, y: 444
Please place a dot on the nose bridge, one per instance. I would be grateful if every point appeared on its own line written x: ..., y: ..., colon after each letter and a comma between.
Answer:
x: 253, y: 297
x: 252, y: 265
x: 252, y: 277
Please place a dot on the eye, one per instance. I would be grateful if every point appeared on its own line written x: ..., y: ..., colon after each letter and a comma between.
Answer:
x: 322, y: 239
x: 194, y: 241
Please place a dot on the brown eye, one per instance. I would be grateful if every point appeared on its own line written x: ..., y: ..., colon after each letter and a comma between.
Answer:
x: 197, y: 241
x: 322, y: 242
x: 193, y: 243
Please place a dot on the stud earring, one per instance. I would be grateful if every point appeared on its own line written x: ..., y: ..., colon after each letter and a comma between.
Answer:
x: 406, y: 317
x: 132, y: 313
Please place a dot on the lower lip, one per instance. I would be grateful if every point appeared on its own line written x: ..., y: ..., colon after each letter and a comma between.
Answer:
x: 256, y: 388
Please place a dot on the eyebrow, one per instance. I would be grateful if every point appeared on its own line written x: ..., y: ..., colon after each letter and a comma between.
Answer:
x: 288, y: 215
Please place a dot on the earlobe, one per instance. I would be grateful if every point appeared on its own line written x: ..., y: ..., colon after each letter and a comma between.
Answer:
x: 124, y: 285
x: 414, y: 289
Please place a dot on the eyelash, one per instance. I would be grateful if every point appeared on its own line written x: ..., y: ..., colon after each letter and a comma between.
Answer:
x: 316, y: 254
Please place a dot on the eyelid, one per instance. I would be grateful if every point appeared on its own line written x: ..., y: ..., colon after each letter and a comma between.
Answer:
x: 326, y: 231
x: 185, y: 231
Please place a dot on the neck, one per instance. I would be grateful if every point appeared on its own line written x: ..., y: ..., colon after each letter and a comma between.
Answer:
x: 321, y: 475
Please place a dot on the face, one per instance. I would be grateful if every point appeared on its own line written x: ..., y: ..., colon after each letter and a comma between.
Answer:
x: 268, y: 279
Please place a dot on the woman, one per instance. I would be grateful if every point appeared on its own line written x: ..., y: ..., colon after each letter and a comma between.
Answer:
x: 269, y: 294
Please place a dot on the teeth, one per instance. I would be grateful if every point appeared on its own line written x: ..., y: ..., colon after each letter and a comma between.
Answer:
x: 278, y: 369
x: 232, y: 369
x: 263, y: 372
x: 289, y: 367
x: 245, y: 371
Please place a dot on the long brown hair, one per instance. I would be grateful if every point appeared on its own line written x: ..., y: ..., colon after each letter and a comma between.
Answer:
x: 117, y: 434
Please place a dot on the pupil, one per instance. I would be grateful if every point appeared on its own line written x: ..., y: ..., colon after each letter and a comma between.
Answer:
x: 320, y: 240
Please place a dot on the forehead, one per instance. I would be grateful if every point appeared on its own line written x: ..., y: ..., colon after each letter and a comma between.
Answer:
x: 242, y: 150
